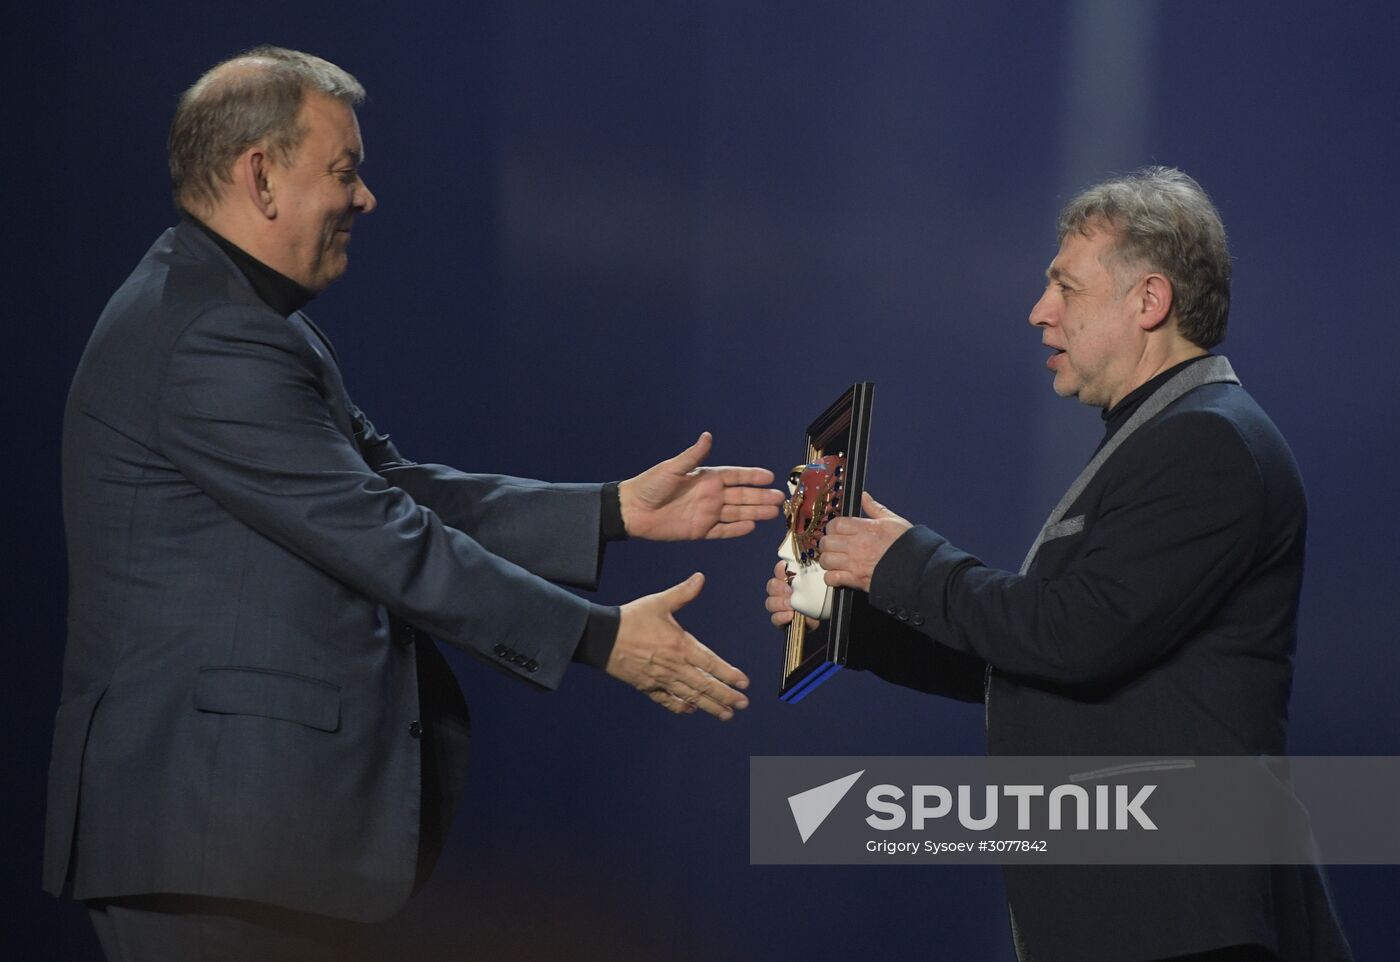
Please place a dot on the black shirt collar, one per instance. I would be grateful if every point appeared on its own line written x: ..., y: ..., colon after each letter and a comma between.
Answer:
x: 1116, y: 416
x: 276, y: 290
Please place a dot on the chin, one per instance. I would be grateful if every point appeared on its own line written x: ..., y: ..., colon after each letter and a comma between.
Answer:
x: 327, y: 279
x: 813, y: 599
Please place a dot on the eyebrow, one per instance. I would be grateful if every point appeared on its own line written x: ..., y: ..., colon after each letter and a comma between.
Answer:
x: 355, y: 157
x: 1059, y: 273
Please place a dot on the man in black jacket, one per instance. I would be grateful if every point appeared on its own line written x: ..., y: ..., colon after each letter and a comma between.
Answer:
x: 259, y: 746
x: 1156, y: 612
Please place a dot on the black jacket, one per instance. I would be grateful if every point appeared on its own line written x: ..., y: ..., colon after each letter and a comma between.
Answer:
x: 1158, y: 618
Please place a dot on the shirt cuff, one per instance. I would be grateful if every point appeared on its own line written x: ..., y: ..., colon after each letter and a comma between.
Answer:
x: 599, y: 635
x: 610, y: 526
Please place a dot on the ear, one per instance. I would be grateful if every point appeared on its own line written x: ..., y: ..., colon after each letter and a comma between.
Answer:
x: 250, y: 177
x: 1155, y: 306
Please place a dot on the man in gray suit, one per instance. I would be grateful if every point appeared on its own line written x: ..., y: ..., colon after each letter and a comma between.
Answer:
x: 259, y: 746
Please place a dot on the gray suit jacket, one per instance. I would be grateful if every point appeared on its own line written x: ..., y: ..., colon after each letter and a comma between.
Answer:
x: 240, y: 717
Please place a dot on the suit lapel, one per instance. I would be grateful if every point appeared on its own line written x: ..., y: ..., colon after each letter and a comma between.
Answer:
x: 1210, y: 371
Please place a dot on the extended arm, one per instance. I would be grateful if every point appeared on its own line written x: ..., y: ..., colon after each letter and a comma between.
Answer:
x: 1170, y: 539
x: 551, y: 530
x: 883, y: 646
x: 243, y: 416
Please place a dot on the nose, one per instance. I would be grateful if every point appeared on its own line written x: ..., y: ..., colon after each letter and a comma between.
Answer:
x: 786, y: 551
x: 1042, y: 314
x: 365, y: 201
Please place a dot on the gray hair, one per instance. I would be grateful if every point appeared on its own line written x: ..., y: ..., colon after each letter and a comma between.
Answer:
x: 253, y: 98
x: 1164, y: 222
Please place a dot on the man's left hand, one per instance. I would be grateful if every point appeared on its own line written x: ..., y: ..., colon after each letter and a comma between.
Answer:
x: 853, y: 547
x: 678, y: 500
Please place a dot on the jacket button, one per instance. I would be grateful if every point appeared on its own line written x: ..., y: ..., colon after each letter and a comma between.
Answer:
x: 532, y: 665
x: 918, y: 619
x: 415, y: 729
x: 501, y: 651
x: 520, y: 659
x: 902, y: 615
x: 890, y: 609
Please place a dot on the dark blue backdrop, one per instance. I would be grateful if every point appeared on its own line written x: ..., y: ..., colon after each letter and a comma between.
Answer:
x: 604, y: 227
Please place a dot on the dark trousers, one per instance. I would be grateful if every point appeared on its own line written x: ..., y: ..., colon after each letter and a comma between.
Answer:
x: 187, y: 928
x: 1235, y: 953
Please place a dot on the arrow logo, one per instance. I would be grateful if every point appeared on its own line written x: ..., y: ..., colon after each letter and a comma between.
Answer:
x: 810, y: 808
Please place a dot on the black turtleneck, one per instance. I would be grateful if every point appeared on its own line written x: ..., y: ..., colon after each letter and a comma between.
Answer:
x: 275, y: 289
x: 1116, y: 416
x: 286, y: 297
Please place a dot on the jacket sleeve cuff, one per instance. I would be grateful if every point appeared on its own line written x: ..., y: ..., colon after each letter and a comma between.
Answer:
x: 611, y: 526
x: 895, y: 585
x: 912, y: 583
x: 599, y: 635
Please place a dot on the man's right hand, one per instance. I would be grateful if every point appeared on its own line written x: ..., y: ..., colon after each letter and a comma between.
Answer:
x: 655, y: 655
x: 779, y: 601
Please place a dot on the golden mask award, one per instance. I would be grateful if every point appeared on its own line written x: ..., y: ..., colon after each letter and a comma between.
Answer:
x: 826, y: 485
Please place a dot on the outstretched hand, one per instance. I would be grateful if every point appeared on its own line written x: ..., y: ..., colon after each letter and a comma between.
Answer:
x: 658, y: 657
x: 853, y: 547
x: 679, y: 500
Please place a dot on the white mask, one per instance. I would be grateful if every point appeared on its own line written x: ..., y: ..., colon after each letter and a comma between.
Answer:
x: 814, y: 491
x: 811, y: 595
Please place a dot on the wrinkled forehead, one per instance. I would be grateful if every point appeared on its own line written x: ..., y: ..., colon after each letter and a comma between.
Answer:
x: 1091, y: 249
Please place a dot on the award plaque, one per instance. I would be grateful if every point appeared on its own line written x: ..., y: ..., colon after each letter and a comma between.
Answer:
x: 826, y: 485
